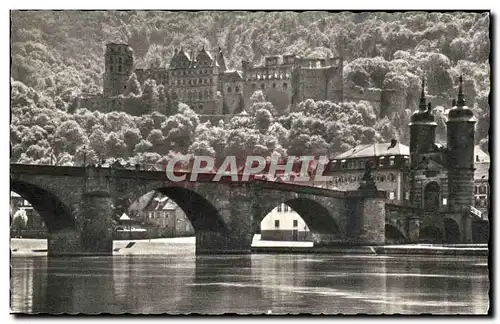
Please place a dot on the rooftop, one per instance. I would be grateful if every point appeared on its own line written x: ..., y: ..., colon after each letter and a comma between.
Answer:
x: 377, y: 149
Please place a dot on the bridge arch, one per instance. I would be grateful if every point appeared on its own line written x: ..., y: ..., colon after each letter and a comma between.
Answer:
x: 55, y: 214
x: 317, y: 217
x: 431, y: 234
x: 202, y: 214
x: 394, y: 235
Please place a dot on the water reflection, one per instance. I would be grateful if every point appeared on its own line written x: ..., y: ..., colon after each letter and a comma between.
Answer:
x: 250, y: 284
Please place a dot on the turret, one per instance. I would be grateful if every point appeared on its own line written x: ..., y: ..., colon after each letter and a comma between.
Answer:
x: 422, y: 129
x: 118, y: 64
x: 460, y: 159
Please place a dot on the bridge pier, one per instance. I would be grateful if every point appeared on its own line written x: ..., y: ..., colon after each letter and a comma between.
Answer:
x: 222, y: 243
x: 65, y: 242
x: 97, y: 225
x: 414, y: 229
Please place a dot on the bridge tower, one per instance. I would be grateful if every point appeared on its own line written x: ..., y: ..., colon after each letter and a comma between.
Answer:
x: 460, y: 136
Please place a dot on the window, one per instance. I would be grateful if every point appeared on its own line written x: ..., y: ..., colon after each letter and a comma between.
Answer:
x: 382, y: 178
x: 229, y: 89
x: 279, y: 208
x: 189, y: 82
x: 274, y: 85
x: 111, y: 68
x: 482, y: 201
x: 295, y: 223
x: 285, y: 208
x: 391, y: 177
x: 391, y: 161
x: 200, y: 107
x: 285, y: 85
x: 445, y: 201
x: 391, y: 195
x: 381, y: 161
x: 277, y: 223
x: 119, y: 60
x: 26, y: 203
x: 262, y: 86
x: 237, y: 89
x: 476, y: 189
x: 407, y: 195
x: 482, y: 189
x: 254, y: 86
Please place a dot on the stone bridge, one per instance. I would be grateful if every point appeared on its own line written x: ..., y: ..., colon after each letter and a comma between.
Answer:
x: 77, y: 205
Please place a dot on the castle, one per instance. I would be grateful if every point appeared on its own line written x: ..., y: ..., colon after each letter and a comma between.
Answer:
x: 203, y: 81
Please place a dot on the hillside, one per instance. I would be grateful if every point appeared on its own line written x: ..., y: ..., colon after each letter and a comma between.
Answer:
x: 57, y: 55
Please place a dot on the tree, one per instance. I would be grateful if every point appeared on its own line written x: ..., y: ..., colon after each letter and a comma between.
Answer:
x: 133, y: 86
x: 19, y: 221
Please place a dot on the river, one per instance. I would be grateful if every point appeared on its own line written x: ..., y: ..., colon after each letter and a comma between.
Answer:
x: 258, y: 283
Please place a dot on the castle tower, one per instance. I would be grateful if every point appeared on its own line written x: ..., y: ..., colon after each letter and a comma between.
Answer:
x: 422, y: 130
x: 119, y: 62
x: 460, y: 159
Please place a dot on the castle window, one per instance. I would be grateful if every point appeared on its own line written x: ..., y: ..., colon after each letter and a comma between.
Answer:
x: 274, y: 85
x: 237, y: 89
x: 263, y: 86
x: 285, y: 85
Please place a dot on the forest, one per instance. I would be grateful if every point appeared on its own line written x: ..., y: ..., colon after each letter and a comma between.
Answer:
x: 56, y: 56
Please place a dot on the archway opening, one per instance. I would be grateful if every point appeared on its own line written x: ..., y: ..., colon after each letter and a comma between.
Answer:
x: 55, y: 215
x: 301, y: 220
x: 451, y: 231
x: 480, y: 231
x: 431, y: 196
x: 169, y: 212
x: 431, y: 235
x: 394, y: 235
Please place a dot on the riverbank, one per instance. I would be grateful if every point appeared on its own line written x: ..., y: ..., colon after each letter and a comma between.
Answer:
x: 186, y: 245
